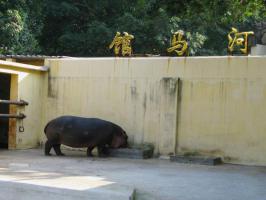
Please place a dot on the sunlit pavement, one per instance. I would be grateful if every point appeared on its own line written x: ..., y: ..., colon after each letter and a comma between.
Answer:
x: 28, y: 174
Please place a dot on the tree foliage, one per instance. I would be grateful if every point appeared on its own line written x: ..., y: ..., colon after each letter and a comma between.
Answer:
x: 86, y: 27
x: 20, y: 25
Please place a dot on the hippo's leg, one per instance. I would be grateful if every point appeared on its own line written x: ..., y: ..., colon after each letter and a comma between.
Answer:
x: 58, y: 150
x: 48, y: 147
x: 89, y: 149
x: 102, y: 151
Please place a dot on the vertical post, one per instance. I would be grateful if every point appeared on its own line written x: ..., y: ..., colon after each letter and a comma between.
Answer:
x: 178, y: 111
x: 13, y: 110
x: 168, y: 115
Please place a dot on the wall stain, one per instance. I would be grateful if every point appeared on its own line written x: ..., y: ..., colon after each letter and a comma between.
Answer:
x: 178, y: 112
x: 152, y: 98
x: 125, y: 94
x: 145, y: 101
x: 168, y: 64
x: 144, y: 115
x: 170, y: 85
x: 133, y: 90
x: 180, y: 87
x: 52, y: 86
x: 191, y: 90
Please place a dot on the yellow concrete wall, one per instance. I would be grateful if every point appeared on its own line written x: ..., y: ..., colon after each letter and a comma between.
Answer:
x: 29, y: 88
x: 221, y: 109
x: 217, y: 107
x: 124, y: 91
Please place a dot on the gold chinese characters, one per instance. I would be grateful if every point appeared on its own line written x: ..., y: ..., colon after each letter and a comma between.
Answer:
x: 179, y: 44
x: 238, y: 40
x: 122, y: 44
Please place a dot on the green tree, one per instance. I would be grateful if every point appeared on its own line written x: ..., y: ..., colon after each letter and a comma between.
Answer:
x: 19, y: 26
x: 86, y: 27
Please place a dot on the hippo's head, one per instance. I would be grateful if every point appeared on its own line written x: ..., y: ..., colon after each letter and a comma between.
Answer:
x: 119, y: 138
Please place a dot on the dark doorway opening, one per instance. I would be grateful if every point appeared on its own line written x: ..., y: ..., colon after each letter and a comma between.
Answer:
x: 5, y: 82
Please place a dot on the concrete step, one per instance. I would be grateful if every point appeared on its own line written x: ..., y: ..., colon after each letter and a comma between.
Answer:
x: 143, y: 151
x: 141, y: 195
x: 131, y: 153
x: 202, y: 160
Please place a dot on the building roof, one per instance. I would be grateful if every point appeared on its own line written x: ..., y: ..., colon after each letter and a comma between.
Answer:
x: 29, y: 57
x: 23, y: 66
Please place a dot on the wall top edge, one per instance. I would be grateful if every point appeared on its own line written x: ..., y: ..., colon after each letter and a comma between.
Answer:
x: 158, y: 58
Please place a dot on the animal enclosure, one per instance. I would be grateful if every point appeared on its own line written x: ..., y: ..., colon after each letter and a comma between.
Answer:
x: 205, y: 105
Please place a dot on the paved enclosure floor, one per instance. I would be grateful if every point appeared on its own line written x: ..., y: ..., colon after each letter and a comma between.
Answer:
x: 28, y: 174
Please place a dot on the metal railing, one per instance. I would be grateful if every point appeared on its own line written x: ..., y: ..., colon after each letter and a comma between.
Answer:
x: 14, y: 102
x: 19, y: 116
x: 19, y: 103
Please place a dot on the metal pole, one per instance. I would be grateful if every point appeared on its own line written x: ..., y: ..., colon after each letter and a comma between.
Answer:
x: 19, y: 103
x: 19, y: 116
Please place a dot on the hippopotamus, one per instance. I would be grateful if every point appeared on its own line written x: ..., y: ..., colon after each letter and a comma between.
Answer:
x: 83, y: 132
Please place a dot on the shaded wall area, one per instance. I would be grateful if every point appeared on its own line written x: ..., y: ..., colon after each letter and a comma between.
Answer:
x: 206, y: 105
x: 5, y: 81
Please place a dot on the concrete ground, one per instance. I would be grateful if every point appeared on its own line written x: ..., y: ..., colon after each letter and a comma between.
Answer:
x: 28, y: 174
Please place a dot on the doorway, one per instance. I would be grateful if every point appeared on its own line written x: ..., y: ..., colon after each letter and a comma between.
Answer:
x: 5, y: 83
